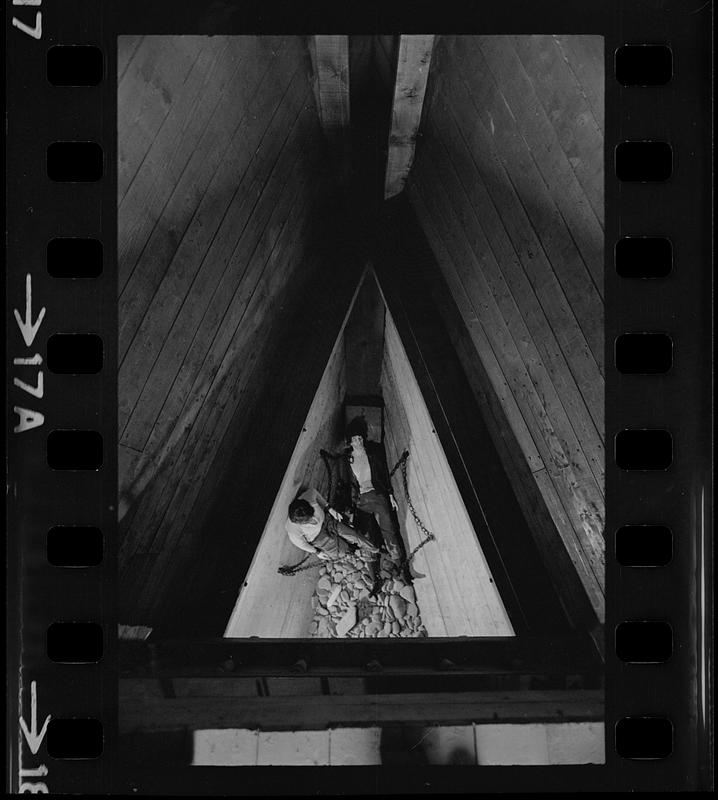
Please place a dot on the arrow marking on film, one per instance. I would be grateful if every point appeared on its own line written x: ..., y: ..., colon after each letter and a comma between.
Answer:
x: 32, y: 737
x: 28, y: 329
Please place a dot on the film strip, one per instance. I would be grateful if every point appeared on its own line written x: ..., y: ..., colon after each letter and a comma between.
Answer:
x: 62, y: 322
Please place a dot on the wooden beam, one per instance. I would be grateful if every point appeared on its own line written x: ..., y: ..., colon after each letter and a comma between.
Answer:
x: 225, y: 657
x: 330, y: 55
x: 412, y: 72
x: 220, y: 709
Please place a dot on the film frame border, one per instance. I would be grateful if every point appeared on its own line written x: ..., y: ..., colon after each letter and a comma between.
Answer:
x: 678, y: 497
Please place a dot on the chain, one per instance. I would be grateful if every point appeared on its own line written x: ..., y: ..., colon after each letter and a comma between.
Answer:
x: 428, y: 535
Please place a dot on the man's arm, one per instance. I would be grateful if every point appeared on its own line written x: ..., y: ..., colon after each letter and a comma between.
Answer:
x: 322, y: 503
x: 297, y: 539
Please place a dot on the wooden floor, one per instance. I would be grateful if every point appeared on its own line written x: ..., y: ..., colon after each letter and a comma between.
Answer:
x: 507, y: 185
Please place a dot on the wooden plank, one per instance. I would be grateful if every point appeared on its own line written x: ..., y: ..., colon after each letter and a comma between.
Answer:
x: 426, y: 588
x: 177, y: 495
x: 568, y: 112
x: 244, y: 311
x: 534, y: 502
x: 291, y: 713
x: 331, y: 66
x: 187, y: 148
x: 479, y: 338
x: 513, y: 179
x: 127, y: 46
x: 229, y: 140
x: 584, y: 55
x: 412, y: 74
x: 185, y: 118
x: 468, y: 601
x: 202, y: 360
x: 536, y: 346
x: 498, y: 55
x: 567, y: 317
x: 566, y: 464
x: 174, y: 519
x: 285, y: 340
x: 199, y: 285
x: 547, y: 266
x: 145, y: 96
x: 591, y: 571
x: 424, y: 262
x: 542, y: 304
x: 565, y: 483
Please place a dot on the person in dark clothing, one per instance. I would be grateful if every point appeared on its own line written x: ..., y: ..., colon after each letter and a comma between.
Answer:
x: 365, y: 470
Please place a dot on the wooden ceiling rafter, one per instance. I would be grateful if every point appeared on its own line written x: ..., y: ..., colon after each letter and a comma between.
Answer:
x: 412, y: 73
x: 330, y: 57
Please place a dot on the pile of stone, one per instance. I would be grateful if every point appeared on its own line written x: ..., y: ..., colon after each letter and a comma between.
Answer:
x: 344, y: 608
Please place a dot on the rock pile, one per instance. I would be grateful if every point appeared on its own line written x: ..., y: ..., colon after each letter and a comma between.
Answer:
x: 343, y: 606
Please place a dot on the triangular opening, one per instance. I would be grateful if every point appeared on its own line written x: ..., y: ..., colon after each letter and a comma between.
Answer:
x: 450, y: 590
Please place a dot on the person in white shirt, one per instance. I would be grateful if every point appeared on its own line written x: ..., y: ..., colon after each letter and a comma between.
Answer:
x: 366, y: 471
x: 313, y: 526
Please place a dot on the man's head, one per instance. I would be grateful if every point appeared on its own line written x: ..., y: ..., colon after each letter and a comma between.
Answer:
x: 301, y: 511
x: 357, y: 428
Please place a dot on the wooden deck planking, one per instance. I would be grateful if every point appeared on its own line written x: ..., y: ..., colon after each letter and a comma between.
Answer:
x: 568, y: 111
x: 506, y: 247
x: 540, y: 257
x: 213, y: 277
x: 511, y: 165
x: 186, y: 153
x: 236, y: 345
x: 127, y: 46
x: 180, y: 495
x: 498, y: 55
x: 533, y: 284
x: 584, y: 507
x: 478, y: 336
x: 536, y: 346
x: 585, y: 57
x: 203, y: 191
x: 556, y: 331
x: 156, y: 72
x: 535, y: 491
x: 204, y: 359
x: 577, y: 486
x: 175, y: 140
x: 200, y: 349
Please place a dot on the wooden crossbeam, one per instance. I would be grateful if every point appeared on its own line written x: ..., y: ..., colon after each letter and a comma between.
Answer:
x: 412, y: 72
x: 220, y: 709
x: 330, y: 55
